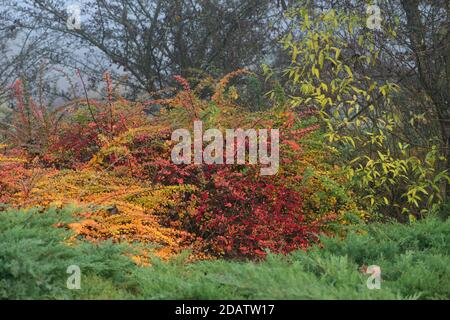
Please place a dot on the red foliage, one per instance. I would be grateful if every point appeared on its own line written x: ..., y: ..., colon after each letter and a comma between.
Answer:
x: 10, y: 174
x: 239, y: 214
x: 18, y: 176
x: 78, y: 141
x: 245, y: 215
x: 73, y: 146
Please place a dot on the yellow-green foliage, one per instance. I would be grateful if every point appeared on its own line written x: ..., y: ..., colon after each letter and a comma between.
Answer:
x: 356, y: 111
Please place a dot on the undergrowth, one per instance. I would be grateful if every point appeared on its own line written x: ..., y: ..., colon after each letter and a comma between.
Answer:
x: 414, y: 262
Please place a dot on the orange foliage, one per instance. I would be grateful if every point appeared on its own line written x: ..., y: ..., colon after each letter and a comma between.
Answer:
x: 117, y: 208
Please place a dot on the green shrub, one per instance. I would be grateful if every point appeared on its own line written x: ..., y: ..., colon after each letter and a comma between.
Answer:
x: 34, y: 258
x: 414, y: 261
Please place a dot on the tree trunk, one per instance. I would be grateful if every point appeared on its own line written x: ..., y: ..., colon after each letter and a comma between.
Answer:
x: 430, y: 61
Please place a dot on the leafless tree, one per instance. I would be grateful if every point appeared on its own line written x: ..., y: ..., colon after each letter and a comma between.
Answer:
x: 153, y: 39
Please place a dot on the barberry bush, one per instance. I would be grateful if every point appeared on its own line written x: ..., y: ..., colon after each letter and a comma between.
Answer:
x: 109, y: 154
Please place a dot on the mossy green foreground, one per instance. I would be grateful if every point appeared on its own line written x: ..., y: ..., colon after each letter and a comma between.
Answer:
x: 34, y: 257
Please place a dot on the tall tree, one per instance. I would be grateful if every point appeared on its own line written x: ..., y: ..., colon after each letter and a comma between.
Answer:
x: 429, y: 43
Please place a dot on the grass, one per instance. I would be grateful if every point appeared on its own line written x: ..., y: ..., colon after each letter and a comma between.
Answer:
x: 34, y: 256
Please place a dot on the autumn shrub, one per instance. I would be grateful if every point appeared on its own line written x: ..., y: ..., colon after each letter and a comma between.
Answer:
x: 116, y: 207
x: 18, y: 176
x: 68, y: 136
x: 234, y: 211
x: 244, y: 215
x: 237, y: 213
x: 9, y: 167
x: 307, y: 167
x: 231, y: 210
x: 86, y: 130
x: 34, y: 124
